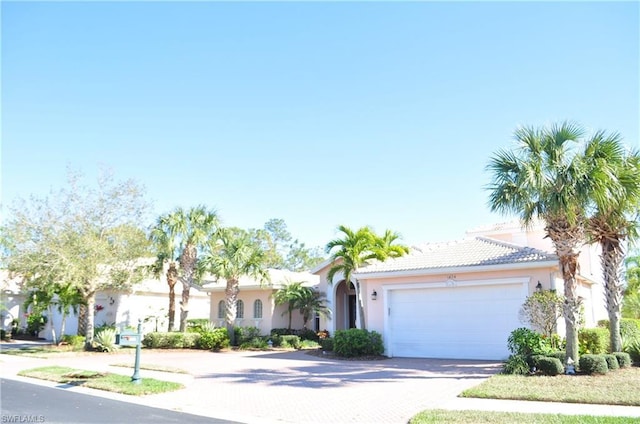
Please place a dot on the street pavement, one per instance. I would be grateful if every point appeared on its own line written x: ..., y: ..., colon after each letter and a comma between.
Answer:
x: 295, y: 387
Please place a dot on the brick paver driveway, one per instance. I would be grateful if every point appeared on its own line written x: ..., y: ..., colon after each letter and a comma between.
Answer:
x: 296, y: 387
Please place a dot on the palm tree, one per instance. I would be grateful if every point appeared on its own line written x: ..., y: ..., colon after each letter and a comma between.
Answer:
x: 188, y: 231
x: 310, y: 303
x: 166, y: 258
x: 614, y: 221
x: 231, y: 257
x: 543, y: 178
x: 355, y: 250
x: 290, y: 294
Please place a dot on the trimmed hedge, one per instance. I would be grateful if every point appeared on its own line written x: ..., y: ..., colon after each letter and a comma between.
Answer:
x: 327, y: 344
x: 173, y: 340
x: 624, y: 359
x: 612, y: 361
x: 550, y: 366
x: 593, y: 364
x: 357, y: 342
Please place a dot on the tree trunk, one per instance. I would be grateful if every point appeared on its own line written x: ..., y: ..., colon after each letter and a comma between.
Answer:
x: 360, y: 302
x: 231, y: 303
x: 289, y: 327
x: 184, y: 307
x: 566, y: 238
x: 63, y: 324
x: 611, y: 260
x: 172, y: 279
x: 52, y: 324
x: 82, y: 320
x: 88, y: 336
x: 187, y: 264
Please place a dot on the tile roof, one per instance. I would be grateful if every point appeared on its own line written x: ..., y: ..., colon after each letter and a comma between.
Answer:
x: 478, y: 251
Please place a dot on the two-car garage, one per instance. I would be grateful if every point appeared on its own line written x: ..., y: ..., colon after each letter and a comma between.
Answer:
x: 458, y: 320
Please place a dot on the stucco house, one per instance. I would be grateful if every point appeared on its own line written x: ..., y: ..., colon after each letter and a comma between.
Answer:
x: 459, y: 299
x: 256, y: 306
x: 147, y: 300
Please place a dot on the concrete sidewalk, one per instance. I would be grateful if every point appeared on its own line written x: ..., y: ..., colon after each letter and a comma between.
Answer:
x: 294, y: 387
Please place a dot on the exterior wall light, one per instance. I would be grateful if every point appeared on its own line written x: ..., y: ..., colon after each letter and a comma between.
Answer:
x: 539, y: 286
x: 374, y: 295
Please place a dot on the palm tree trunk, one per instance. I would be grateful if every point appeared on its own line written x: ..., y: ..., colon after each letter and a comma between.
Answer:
x: 360, y: 302
x: 52, y: 324
x: 188, y: 264
x: 184, y: 307
x: 231, y: 300
x: 82, y: 320
x: 172, y: 279
x: 611, y: 260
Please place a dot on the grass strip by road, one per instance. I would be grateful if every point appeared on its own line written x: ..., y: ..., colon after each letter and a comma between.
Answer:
x: 480, y: 417
x: 102, y: 381
x: 153, y: 367
x: 619, y: 387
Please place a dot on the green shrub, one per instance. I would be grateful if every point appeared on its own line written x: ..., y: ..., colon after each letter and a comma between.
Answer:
x: 4, y: 335
x: 549, y: 366
x: 173, y: 340
x: 306, y: 334
x: 281, y: 332
x: 356, y: 342
x: 290, y: 341
x: 523, y: 341
x: 105, y: 340
x: 245, y: 334
x: 256, y: 343
x: 593, y: 340
x: 195, y: 324
x: 560, y: 354
x: 35, y: 323
x: 633, y: 349
x: 73, y: 340
x: 309, y: 344
x: 216, y: 339
x: 624, y: 360
x: 327, y: 344
x: 593, y: 364
x: 612, y: 361
x: 516, y: 364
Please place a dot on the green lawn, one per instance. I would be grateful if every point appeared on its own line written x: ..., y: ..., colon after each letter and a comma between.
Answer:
x: 619, y: 387
x: 438, y: 416
x: 103, y: 381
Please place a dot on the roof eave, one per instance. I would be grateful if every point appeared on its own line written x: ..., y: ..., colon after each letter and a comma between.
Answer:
x: 456, y: 269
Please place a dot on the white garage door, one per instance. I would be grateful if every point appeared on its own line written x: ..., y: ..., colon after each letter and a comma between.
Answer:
x: 471, y: 322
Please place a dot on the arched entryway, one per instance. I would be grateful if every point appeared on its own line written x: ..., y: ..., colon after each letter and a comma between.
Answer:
x: 345, y: 306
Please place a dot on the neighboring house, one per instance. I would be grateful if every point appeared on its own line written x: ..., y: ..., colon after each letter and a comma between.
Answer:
x: 256, y: 306
x: 459, y: 299
x: 147, y: 300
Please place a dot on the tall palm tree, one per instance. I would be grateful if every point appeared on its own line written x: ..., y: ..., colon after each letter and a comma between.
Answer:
x: 356, y: 249
x: 189, y: 231
x: 166, y: 259
x: 290, y: 295
x: 544, y: 178
x: 614, y: 221
x: 231, y: 257
x: 310, y: 303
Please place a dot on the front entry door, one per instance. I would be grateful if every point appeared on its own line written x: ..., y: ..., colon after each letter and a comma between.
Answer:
x: 352, y: 311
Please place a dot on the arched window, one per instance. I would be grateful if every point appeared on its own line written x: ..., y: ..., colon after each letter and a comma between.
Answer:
x: 222, y: 310
x: 240, y: 309
x: 257, y: 309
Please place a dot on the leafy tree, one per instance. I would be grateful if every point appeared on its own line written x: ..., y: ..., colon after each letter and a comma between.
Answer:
x: 83, y: 236
x: 632, y: 273
x: 356, y: 249
x: 544, y: 177
x: 290, y: 294
x: 281, y: 250
x: 541, y: 310
x: 229, y: 257
x: 616, y: 177
x: 310, y: 303
x: 185, y: 233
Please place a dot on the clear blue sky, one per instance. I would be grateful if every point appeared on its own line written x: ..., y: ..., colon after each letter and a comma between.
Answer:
x: 381, y: 114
